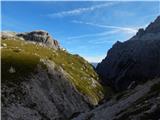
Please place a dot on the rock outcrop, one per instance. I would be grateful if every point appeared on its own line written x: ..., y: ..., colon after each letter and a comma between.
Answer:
x: 133, y: 61
x: 38, y: 36
x: 41, y: 37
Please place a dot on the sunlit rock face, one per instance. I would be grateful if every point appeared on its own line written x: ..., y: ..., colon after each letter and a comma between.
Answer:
x: 134, y: 60
x: 40, y: 36
x: 37, y: 36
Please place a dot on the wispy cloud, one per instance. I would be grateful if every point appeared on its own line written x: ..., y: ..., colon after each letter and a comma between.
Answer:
x: 93, y: 34
x: 80, y: 10
x: 118, y: 28
x: 115, y: 29
x: 101, y: 41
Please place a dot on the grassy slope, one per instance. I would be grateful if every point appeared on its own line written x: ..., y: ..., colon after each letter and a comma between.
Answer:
x: 24, y: 57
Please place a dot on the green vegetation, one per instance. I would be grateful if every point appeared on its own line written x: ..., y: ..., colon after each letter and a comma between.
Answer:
x: 24, y: 58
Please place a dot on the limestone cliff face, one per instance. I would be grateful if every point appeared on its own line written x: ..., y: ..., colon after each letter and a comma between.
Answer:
x: 130, y: 62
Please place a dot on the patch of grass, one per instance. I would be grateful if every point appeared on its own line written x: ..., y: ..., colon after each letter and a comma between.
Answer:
x: 25, y: 56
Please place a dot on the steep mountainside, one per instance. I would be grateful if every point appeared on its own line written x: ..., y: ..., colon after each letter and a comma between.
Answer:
x: 41, y: 82
x: 131, y: 62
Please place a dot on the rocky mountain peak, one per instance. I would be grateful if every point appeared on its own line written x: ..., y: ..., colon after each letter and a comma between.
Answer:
x: 149, y: 32
x: 154, y: 26
x: 134, y: 60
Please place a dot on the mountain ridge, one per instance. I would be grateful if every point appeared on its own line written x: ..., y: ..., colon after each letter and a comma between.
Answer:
x: 125, y: 63
x: 42, y: 81
x: 132, y: 69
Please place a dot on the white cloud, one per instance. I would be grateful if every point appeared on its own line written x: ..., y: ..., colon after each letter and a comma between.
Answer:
x: 128, y: 30
x: 80, y: 10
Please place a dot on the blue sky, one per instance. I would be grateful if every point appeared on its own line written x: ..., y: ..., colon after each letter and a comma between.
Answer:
x: 85, y: 28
